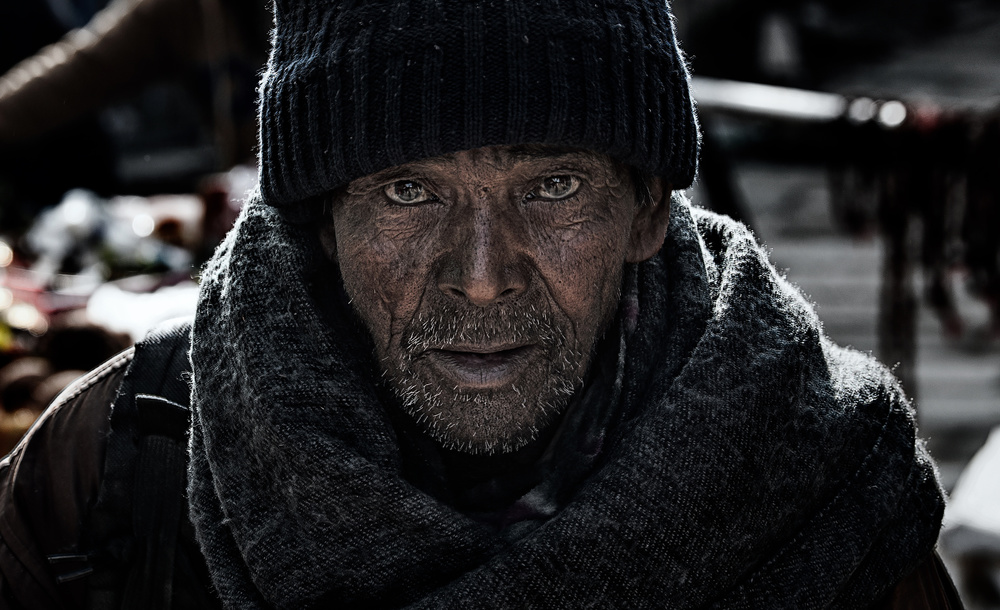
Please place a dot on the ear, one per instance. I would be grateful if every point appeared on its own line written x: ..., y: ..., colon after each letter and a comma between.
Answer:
x: 328, y: 240
x: 327, y: 230
x: 649, y: 226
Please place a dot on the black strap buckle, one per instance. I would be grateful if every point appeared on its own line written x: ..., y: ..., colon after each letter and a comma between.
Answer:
x: 68, y: 560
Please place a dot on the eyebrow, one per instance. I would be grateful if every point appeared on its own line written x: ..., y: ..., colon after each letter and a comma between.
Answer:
x: 371, y: 181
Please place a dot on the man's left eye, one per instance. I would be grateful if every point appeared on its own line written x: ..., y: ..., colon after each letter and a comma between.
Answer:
x: 556, y: 187
x: 408, y: 192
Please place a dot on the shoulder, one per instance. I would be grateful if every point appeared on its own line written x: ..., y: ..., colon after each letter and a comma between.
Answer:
x: 51, y: 479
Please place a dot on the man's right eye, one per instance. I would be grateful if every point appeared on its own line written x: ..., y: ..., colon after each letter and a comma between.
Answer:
x: 408, y: 192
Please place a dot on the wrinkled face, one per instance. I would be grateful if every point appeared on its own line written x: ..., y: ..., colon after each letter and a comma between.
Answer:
x: 485, y: 279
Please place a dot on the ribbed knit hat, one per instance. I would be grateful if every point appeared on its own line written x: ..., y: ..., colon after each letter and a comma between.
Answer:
x: 354, y: 87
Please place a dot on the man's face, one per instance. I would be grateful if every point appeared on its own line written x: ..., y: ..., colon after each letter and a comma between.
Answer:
x: 485, y: 279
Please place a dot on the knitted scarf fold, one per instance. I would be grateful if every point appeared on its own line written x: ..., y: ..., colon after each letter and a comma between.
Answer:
x: 753, y: 464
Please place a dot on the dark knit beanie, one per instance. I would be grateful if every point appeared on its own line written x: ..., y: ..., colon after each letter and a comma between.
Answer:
x: 354, y: 87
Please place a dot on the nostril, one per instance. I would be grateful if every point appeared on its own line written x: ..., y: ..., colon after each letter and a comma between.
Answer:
x: 481, y: 294
x: 481, y: 276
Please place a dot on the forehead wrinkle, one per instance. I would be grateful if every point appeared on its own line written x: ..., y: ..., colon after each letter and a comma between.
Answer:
x: 507, y: 157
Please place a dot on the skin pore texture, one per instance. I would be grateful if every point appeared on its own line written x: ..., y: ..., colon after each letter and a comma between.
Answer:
x: 486, y: 277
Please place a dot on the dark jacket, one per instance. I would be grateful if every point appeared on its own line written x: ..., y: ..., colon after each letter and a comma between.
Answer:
x: 62, y: 543
x: 49, y: 487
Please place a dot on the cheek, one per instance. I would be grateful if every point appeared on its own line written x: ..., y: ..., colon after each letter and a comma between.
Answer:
x: 384, y: 261
x: 581, y: 261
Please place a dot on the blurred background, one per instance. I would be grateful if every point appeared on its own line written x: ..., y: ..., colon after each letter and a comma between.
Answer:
x: 126, y: 148
x: 859, y: 139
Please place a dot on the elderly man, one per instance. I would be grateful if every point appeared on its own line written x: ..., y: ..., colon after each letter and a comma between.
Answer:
x: 468, y: 347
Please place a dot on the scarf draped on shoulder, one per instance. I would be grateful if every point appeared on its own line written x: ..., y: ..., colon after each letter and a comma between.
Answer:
x: 751, y: 462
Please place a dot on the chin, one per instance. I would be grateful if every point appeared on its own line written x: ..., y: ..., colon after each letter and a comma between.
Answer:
x: 484, y: 423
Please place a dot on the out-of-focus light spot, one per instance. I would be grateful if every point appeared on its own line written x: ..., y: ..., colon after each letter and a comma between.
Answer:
x: 21, y: 419
x: 6, y: 255
x: 75, y: 210
x: 862, y: 110
x: 143, y: 225
x: 23, y: 316
x: 927, y: 117
x: 6, y: 298
x: 892, y: 114
x: 40, y: 327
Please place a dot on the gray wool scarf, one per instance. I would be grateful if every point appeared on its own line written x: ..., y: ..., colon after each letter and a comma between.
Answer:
x: 749, y: 462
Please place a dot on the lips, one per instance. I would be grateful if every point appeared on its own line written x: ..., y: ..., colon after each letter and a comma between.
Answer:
x: 482, y: 367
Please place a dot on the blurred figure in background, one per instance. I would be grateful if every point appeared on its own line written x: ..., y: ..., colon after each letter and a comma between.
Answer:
x: 211, y: 50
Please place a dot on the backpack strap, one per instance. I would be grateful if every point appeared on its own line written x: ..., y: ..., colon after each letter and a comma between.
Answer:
x: 136, y: 522
x: 158, y: 498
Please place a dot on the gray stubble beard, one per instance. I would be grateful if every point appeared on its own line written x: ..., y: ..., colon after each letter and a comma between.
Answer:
x: 493, y: 421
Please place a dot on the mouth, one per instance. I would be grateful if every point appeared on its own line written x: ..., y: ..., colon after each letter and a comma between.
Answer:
x: 482, y: 367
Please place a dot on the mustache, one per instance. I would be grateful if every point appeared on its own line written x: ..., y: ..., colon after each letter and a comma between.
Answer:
x: 448, y: 323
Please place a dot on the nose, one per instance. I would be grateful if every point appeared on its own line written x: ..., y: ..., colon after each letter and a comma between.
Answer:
x: 483, y: 264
